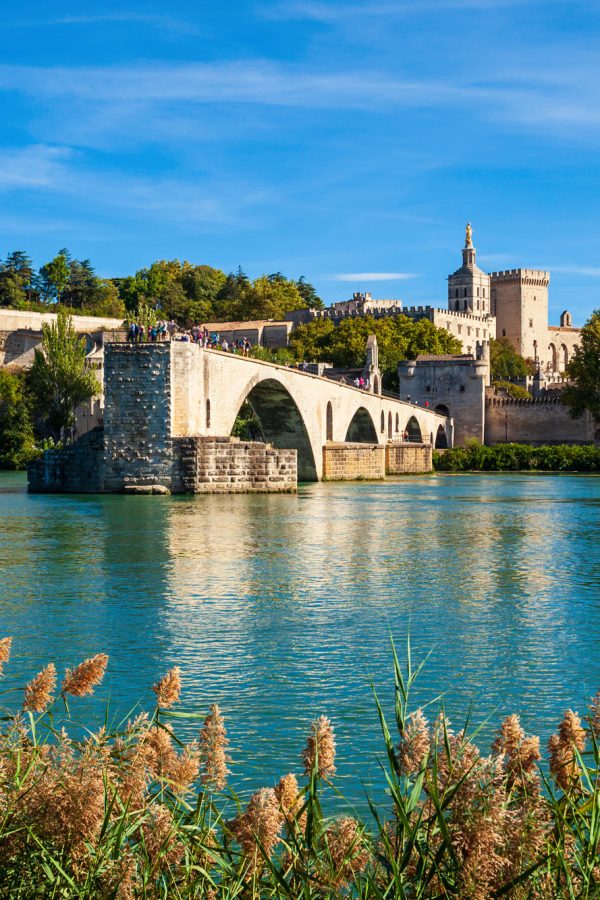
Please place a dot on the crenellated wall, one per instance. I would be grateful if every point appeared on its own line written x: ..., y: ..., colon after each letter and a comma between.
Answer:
x: 541, y: 421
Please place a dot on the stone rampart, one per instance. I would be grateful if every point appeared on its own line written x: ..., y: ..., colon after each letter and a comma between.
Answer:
x: 408, y: 459
x: 349, y: 462
x: 226, y: 465
x: 540, y: 421
x: 77, y: 469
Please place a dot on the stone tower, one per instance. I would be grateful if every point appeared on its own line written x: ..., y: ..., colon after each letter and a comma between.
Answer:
x: 520, y: 304
x: 469, y: 286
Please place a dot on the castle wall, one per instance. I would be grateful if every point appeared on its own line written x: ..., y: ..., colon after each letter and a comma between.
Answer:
x: 541, y: 421
x: 520, y: 304
x: 456, y: 385
x: 561, y: 343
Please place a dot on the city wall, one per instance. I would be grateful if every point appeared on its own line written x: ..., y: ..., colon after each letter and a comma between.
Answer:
x: 541, y: 421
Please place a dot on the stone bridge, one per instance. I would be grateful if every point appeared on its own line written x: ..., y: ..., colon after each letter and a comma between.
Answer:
x: 202, y: 391
x: 169, y: 410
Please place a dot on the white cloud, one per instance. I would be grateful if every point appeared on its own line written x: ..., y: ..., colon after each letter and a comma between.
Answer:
x: 587, y: 271
x: 153, y: 20
x: 372, y: 276
x: 341, y: 12
x: 38, y: 166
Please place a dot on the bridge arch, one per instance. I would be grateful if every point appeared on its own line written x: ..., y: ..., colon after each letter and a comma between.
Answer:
x: 282, y: 423
x: 441, y: 439
x: 361, y: 429
x: 413, y: 430
x: 442, y: 409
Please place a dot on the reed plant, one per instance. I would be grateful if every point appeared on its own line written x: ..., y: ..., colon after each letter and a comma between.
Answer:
x: 135, y: 812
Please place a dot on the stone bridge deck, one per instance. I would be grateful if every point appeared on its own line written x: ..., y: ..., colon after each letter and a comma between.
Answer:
x: 178, y: 389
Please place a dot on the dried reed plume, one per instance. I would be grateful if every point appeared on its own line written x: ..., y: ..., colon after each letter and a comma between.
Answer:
x: 415, y: 744
x: 521, y: 754
x: 320, y: 749
x: 563, y: 762
x: 5, y: 644
x: 213, y: 750
x: 594, y: 717
x: 290, y: 801
x: 168, y: 689
x: 38, y: 692
x: 257, y: 827
x: 83, y: 678
x: 348, y: 851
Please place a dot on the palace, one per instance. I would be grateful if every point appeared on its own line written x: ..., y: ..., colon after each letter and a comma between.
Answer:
x: 512, y: 304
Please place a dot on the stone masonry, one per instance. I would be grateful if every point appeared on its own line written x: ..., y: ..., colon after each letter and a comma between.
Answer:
x: 229, y: 466
x: 408, y: 459
x: 349, y: 462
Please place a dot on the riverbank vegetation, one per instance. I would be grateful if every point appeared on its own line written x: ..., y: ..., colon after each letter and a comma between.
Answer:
x: 475, y: 457
x: 134, y: 812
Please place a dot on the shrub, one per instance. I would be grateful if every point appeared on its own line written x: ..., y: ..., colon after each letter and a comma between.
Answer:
x: 135, y: 812
x: 518, y: 457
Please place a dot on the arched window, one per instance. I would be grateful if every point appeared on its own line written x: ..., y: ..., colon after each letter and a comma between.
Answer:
x: 397, y: 423
x: 382, y: 421
x: 456, y: 292
x: 457, y: 305
x: 484, y: 292
x: 390, y: 426
x: 465, y: 292
x: 329, y: 426
x: 478, y: 296
x: 208, y: 413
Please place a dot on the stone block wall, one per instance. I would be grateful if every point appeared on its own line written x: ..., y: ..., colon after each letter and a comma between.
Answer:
x: 408, y: 459
x: 137, y: 418
x: 76, y: 469
x: 349, y: 462
x: 209, y: 465
x: 541, y: 421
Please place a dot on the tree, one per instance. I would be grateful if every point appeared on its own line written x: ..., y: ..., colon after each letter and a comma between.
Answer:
x: 53, y: 277
x: 16, y: 277
x: 309, y: 294
x: 584, y: 371
x: 398, y: 338
x: 505, y: 362
x: 17, y: 443
x: 59, y: 378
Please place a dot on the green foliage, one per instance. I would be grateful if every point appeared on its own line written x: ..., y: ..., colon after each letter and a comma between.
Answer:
x: 584, y: 371
x: 132, y: 811
x: 59, y: 378
x: 280, y: 355
x: 513, y: 390
x: 16, y: 276
x: 309, y: 295
x: 398, y: 338
x: 17, y: 444
x: 505, y: 362
x: 247, y: 425
x: 518, y: 458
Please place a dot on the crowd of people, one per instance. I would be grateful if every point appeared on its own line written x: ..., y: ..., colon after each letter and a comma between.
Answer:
x: 138, y: 333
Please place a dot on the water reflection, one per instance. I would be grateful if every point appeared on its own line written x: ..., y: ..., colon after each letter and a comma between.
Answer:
x: 281, y: 608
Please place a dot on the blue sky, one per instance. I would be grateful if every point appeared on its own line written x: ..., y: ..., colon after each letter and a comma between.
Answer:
x: 346, y: 141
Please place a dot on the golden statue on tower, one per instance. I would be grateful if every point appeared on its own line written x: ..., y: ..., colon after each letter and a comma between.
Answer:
x: 469, y: 236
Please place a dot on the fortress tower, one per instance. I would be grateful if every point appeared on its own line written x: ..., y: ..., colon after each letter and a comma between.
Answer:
x: 469, y: 286
x: 520, y: 304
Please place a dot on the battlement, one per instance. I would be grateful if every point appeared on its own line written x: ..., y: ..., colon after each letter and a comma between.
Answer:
x: 443, y: 311
x: 547, y: 400
x: 537, y: 277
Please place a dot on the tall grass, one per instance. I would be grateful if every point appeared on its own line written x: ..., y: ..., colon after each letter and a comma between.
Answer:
x: 135, y: 812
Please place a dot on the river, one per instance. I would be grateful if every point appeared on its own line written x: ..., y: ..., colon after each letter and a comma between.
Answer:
x: 281, y: 608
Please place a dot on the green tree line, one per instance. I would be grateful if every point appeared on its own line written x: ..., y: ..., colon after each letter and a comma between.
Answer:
x: 171, y: 288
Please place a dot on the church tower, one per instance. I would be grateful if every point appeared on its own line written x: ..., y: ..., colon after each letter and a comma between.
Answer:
x: 469, y: 286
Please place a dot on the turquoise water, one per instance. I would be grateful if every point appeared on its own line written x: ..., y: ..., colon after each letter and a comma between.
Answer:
x: 280, y: 608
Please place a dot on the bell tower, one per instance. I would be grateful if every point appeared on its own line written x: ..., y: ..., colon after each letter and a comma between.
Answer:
x: 469, y: 286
